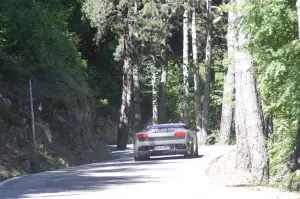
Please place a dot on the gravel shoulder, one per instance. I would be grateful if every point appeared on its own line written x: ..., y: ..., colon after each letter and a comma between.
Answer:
x: 222, y: 172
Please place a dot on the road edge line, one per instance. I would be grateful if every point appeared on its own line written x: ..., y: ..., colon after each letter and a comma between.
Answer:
x: 4, y: 182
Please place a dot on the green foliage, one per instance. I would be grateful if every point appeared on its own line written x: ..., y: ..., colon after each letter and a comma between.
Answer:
x: 295, y: 176
x: 105, y: 76
x: 35, y: 38
x: 275, y: 49
x: 281, y: 146
x: 174, y: 92
x: 98, y: 14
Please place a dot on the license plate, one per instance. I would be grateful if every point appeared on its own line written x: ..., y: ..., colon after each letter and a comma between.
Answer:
x: 161, y: 147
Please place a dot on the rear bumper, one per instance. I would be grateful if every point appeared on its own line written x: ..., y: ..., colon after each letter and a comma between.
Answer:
x: 176, y: 148
x: 162, y: 152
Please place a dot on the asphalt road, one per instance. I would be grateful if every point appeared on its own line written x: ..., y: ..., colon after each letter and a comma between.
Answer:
x: 159, y: 178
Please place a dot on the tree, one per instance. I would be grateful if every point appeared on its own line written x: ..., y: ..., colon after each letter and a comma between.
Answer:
x: 117, y: 15
x: 154, y: 98
x: 298, y: 14
x: 293, y: 162
x: 123, y: 128
x: 136, y: 84
x: 252, y: 154
x: 162, y: 112
x: 166, y: 10
x: 276, y: 63
x: 136, y: 98
x: 208, y: 51
x: 196, y: 70
x: 228, y: 93
x: 185, y: 69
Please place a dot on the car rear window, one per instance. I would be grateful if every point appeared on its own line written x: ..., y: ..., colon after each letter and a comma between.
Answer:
x: 165, y: 128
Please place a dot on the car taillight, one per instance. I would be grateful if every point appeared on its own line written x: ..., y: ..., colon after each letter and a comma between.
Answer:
x: 142, y: 136
x: 179, y: 134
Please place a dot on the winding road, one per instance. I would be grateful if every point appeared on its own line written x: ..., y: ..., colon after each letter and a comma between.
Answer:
x: 159, y: 178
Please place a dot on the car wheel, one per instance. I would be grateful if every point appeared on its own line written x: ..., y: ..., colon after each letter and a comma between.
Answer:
x: 141, y: 158
x: 191, y: 154
x: 137, y: 158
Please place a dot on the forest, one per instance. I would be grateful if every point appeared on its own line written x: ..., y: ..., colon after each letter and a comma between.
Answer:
x: 227, y: 69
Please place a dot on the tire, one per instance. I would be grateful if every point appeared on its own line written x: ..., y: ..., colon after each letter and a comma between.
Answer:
x: 141, y: 158
x: 137, y: 158
x: 186, y: 155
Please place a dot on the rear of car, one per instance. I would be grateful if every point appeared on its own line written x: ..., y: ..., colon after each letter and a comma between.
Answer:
x: 165, y: 139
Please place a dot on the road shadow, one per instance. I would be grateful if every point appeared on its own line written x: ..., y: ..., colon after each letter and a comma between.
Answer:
x: 85, y: 178
x: 160, y: 158
x: 199, y: 156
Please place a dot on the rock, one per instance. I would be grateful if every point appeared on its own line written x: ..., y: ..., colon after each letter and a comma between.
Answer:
x: 5, y: 110
x: 106, y: 129
x: 223, y: 170
x: 58, y: 124
x: 78, y: 140
x: 74, y: 123
x: 17, y: 133
x: 5, y: 104
x: 15, y: 119
x: 63, y: 162
x: 287, y: 175
x: 94, y: 146
x: 43, y: 133
x: 61, y: 119
x: 24, y: 162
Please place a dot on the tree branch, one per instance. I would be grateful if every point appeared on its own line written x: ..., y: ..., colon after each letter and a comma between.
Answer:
x: 173, y: 11
x: 107, y: 38
x: 216, y: 20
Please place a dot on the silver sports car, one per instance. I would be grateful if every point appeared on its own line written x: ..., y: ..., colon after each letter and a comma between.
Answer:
x: 165, y: 139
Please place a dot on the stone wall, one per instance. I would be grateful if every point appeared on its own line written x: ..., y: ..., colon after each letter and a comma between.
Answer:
x: 66, y: 138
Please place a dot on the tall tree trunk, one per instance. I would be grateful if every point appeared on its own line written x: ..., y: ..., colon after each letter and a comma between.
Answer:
x: 196, y: 73
x: 154, y: 99
x: 136, y: 84
x: 131, y: 114
x: 298, y: 14
x: 130, y: 107
x: 294, y: 163
x: 252, y: 154
x: 228, y: 93
x: 162, y: 113
x: 137, y: 98
x: 204, y: 130
x: 255, y: 125
x: 123, y: 128
x: 243, y: 150
x: 268, y: 128
x: 294, y: 160
x: 185, y: 69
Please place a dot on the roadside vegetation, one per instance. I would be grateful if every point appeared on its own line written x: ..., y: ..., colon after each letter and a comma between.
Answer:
x: 107, y: 69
